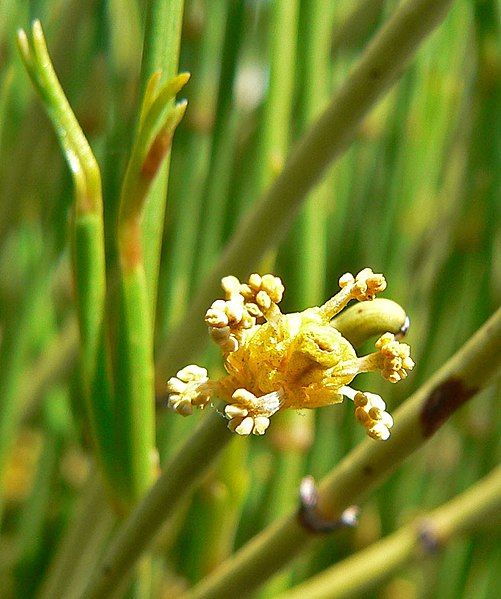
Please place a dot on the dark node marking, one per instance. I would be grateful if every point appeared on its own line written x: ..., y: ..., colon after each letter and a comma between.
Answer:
x: 374, y: 73
x: 442, y: 402
x: 403, y: 329
x: 311, y: 520
x: 428, y: 538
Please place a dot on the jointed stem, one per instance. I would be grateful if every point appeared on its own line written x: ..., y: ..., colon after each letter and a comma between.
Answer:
x: 363, y: 571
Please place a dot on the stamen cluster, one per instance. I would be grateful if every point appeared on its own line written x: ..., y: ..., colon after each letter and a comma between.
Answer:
x: 187, y: 389
x: 276, y: 361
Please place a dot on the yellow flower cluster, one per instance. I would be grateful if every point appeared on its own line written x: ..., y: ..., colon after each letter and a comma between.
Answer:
x: 276, y: 361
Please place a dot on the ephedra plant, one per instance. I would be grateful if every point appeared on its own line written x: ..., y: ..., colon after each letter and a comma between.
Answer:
x: 317, y: 140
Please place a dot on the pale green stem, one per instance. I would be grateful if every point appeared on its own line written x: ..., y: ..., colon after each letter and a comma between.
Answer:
x: 181, y: 473
x: 263, y: 228
x: 474, y: 509
x: 78, y: 533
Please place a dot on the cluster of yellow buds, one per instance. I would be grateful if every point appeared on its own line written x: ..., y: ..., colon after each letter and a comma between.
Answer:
x: 395, y: 358
x: 231, y: 319
x: 276, y: 361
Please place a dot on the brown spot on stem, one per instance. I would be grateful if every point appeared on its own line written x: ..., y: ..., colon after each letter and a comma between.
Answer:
x: 368, y: 470
x: 85, y: 205
x: 442, y: 402
x: 130, y: 245
x: 156, y: 154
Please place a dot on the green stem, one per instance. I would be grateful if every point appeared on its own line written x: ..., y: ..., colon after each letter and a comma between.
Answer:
x: 78, y: 153
x: 134, y: 415
x: 358, y: 574
x: 276, y: 121
x: 81, y: 528
x: 464, y: 375
x: 160, y: 53
x: 134, y: 381
x: 222, y: 146
x: 87, y: 238
x: 380, y: 66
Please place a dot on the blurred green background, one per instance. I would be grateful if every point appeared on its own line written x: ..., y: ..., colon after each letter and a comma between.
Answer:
x: 416, y: 197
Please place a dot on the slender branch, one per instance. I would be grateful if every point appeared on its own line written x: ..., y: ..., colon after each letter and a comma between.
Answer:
x: 87, y: 241
x: 78, y: 153
x: 478, y: 507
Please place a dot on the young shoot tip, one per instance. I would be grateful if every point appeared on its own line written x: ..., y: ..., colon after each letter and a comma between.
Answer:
x: 23, y: 42
x: 180, y: 109
x: 36, y: 29
x: 184, y: 77
x: 176, y: 84
x: 152, y: 85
